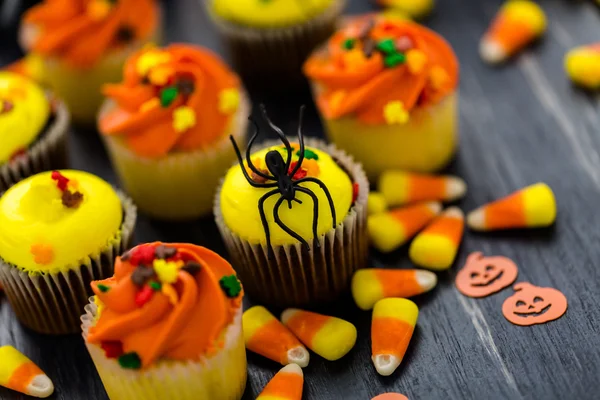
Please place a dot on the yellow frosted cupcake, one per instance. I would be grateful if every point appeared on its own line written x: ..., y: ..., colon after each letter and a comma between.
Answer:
x: 83, y: 44
x: 168, y: 325
x: 293, y: 218
x: 386, y: 91
x: 269, y: 40
x: 33, y: 130
x: 58, y: 232
x: 166, y: 127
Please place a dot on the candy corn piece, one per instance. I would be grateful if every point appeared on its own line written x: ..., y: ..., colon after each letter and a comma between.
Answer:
x: 19, y: 373
x: 436, y: 247
x: 413, y: 8
x: 530, y: 207
x: 399, y: 187
x: 392, y: 229
x: 583, y: 66
x: 330, y: 337
x: 376, y: 203
x: 390, y: 396
x: 285, y: 385
x: 394, y: 321
x: 518, y: 23
x: 371, y: 284
x: 265, y: 335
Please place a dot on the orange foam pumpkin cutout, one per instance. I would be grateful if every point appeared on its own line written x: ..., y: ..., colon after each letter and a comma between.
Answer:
x: 482, y: 276
x: 532, y: 305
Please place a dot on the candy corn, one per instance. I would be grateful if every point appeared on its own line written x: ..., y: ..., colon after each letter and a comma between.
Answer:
x: 376, y: 203
x: 330, y: 337
x: 394, y: 321
x: 413, y: 8
x: 583, y: 66
x: 392, y: 229
x: 436, y: 247
x: 19, y: 373
x: 390, y: 396
x: 265, y: 335
x: 398, y: 187
x: 371, y: 285
x: 530, y: 207
x: 285, y: 385
x: 518, y: 23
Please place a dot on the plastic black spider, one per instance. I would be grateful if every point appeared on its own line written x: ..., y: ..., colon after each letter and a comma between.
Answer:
x: 281, y: 175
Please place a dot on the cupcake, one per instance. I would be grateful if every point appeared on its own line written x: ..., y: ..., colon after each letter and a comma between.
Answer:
x: 293, y: 218
x: 386, y: 91
x: 269, y: 40
x: 166, y: 127
x: 33, y: 130
x: 83, y: 44
x: 168, y: 325
x: 58, y: 232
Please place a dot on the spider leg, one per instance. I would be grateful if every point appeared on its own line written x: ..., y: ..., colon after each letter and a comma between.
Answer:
x: 248, y: 178
x: 248, y: 152
x: 279, y: 222
x: 315, y: 210
x: 301, y: 140
x: 281, y: 135
x: 263, y: 218
x: 324, y: 188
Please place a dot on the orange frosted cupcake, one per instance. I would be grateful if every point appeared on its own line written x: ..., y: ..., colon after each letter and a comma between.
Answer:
x: 168, y: 325
x: 83, y: 44
x: 386, y: 90
x: 167, y: 128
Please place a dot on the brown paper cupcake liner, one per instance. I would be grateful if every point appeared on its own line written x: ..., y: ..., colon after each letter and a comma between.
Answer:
x: 49, y: 152
x: 272, y: 58
x: 293, y: 275
x: 52, y: 303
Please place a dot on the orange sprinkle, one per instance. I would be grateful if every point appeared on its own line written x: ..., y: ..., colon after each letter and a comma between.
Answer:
x: 43, y: 254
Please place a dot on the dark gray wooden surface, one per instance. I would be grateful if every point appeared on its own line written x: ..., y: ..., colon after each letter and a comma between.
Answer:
x: 520, y: 124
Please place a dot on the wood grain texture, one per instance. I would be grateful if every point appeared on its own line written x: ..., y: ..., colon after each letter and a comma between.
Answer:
x: 520, y: 124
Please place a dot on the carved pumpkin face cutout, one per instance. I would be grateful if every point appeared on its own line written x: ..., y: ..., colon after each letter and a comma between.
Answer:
x: 532, y: 305
x: 482, y: 276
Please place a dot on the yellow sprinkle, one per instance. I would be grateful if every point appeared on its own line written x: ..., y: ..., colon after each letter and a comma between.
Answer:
x: 395, y: 113
x: 438, y: 77
x: 184, y: 118
x: 150, y: 105
x: 416, y: 60
x: 354, y: 57
x: 98, y: 9
x: 151, y: 59
x: 166, y: 270
x: 160, y: 75
x: 169, y: 291
x: 229, y: 100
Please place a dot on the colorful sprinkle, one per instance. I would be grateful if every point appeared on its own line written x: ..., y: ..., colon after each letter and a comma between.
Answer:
x: 164, y: 252
x: 229, y: 100
x: 6, y: 106
x: 355, y: 189
x: 143, y: 296
x: 156, y: 286
x: 166, y: 270
x: 43, y: 254
x: 308, y: 154
x: 438, y: 77
x: 404, y: 43
x: 386, y: 46
x: 230, y: 285
x: 71, y: 199
x: 168, y: 96
x: 141, y: 255
x: 394, y: 59
x: 103, y: 288
x: 141, y: 274
x: 186, y: 87
x: 112, y: 348
x: 130, y: 361
x: 161, y: 75
x: 151, y: 59
x: 192, y: 268
x: 61, y: 180
x: 169, y: 291
x: 395, y: 113
x: 348, y: 44
x: 184, y: 118
x: 416, y: 61
x: 301, y: 173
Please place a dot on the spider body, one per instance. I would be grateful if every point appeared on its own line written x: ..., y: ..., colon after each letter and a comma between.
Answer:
x: 280, y: 179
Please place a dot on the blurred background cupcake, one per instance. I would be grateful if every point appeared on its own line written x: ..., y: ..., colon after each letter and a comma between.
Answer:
x: 82, y: 44
x: 269, y: 40
x: 167, y: 127
x: 33, y: 130
x: 168, y: 325
x: 386, y: 90
x: 58, y: 232
x: 293, y: 218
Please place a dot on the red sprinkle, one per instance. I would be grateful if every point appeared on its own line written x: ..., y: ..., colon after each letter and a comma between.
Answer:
x: 61, y: 181
x: 142, y: 255
x: 301, y: 173
x: 144, y: 296
x: 112, y: 348
x: 354, y: 192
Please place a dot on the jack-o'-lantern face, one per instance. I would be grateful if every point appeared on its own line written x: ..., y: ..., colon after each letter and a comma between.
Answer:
x: 482, y: 276
x: 532, y: 305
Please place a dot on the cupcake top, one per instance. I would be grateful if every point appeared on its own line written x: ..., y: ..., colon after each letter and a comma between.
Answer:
x: 378, y: 69
x: 24, y: 111
x: 52, y: 221
x: 269, y: 13
x: 180, y: 98
x: 81, y: 32
x: 165, y: 302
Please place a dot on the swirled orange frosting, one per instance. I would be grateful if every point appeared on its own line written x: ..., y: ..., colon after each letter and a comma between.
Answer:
x: 165, y: 301
x: 180, y: 98
x: 380, y: 68
x: 82, y: 31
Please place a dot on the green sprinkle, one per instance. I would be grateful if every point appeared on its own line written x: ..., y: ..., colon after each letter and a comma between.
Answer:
x: 348, y: 44
x: 308, y: 154
x: 230, y: 285
x: 167, y: 96
x: 386, y: 46
x: 156, y: 286
x: 130, y: 361
x: 103, y: 288
x: 394, y: 59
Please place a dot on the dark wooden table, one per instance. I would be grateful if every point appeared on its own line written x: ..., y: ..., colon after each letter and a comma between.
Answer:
x: 520, y: 124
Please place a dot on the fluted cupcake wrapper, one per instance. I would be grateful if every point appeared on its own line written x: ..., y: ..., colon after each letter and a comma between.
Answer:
x: 272, y: 58
x: 221, y: 376
x: 49, y: 152
x: 52, y: 303
x: 180, y: 185
x: 293, y: 275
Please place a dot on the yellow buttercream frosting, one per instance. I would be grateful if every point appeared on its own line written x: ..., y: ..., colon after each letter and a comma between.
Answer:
x: 239, y: 200
x: 269, y: 13
x: 24, y: 111
x: 38, y: 233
